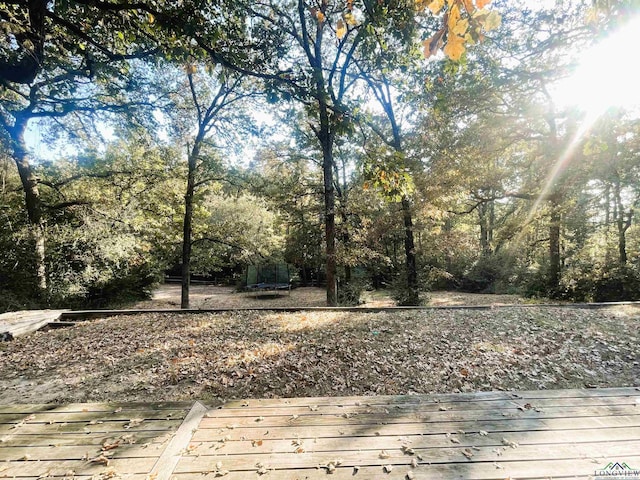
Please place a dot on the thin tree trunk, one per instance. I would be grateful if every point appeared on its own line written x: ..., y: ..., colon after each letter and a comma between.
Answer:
x: 410, y: 254
x: 33, y: 201
x: 187, y: 225
x: 330, y: 220
x: 484, y: 232
x: 554, y: 251
x: 622, y: 223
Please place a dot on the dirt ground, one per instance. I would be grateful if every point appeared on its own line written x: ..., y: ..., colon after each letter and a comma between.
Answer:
x: 167, y: 296
x: 251, y: 354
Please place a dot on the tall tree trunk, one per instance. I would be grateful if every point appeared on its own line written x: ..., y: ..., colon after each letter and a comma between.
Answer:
x: 329, y: 216
x: 554, y: 251
x: 413, y: 297
x: 187, y: 225
x: 33, y: 201
x: 622, y: 223
x: 484, y: 232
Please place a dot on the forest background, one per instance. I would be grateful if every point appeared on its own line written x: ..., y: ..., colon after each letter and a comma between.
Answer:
x: 398, y: 144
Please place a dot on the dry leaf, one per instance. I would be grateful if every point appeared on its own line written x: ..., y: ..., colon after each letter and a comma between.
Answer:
x: 509, y: 443
x: 101, y: 459
x: 384, y: 454
x: 387, y: 468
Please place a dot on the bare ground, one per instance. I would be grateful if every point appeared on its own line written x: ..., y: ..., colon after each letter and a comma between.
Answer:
x: 167, y: 296
x: 214, y: 357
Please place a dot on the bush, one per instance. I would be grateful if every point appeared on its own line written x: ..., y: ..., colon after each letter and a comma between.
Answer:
x: 403, y: 296
x: 491, y: 274
x: 349, y: 294
x: 602, y: 283
x: 90, y: 270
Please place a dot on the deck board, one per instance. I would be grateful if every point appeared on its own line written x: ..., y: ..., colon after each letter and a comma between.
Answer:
x: 476, y: 436
x: 27, y: 321
x: 43, y: 441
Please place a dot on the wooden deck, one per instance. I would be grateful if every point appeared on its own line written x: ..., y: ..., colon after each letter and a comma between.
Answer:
x: 28, y: 321
x: 493, y: 435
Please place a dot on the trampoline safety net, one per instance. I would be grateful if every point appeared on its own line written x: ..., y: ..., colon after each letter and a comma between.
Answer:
x: 268, y: 277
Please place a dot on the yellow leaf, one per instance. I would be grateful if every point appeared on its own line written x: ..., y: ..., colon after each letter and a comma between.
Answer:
x: 468, y: 5
x: 151, y: 18
x: 435, y: 6
x: 320, y: 16
x: 454, y: 17
x: 482, y: 3
x: 341, y: 29
x: 454, y: 47
x: 350, y: 19
x: 460, y: 28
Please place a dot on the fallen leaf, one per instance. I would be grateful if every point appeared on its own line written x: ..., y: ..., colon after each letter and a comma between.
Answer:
x: 101, y: 459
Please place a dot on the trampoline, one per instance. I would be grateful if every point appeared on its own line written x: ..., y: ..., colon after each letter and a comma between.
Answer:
x: 271, y: 277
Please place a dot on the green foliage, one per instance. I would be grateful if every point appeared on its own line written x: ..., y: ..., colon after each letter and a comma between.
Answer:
x: 402, y: 294
x: 350, y: 294
x: 93, y: 266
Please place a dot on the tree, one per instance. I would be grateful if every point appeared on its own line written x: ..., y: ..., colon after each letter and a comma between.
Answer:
x: 213, y: 95
x: 69, y: 58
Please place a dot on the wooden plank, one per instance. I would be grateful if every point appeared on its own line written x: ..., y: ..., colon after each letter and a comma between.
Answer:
x: 375, y: 442
x: 166, y: 464
x: 77, y: 439
x: 453, y: 397
x: 544, y: 469
x: 80, y: 467
x: 89, y: 314
x: 394, y: 416
x: 29, y: 408
x: 28, y: 321
x: 427, y: 406
x: 79, y: 452
x: 78, y: 477
x: 82, y: 427
x: 88, y: 417
x: 289, y: 461
x: 503, y: 425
